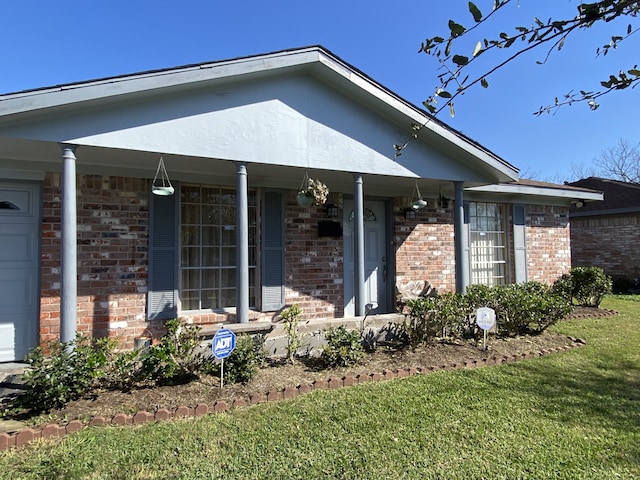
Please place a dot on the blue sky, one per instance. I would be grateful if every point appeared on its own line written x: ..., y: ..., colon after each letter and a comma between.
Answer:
x: 44, y: 43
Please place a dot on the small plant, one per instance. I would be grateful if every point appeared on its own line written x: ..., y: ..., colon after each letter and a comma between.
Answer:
x: 314, y: 190
x: 176, y: 359
x: 123, y: 370
x: 241, y: 366
x: 421, y: 323
x: 290, y: 319
x: 343, y: 349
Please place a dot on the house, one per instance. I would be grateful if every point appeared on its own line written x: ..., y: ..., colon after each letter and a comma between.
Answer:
x: 607, y: 234
x: 85, y: 246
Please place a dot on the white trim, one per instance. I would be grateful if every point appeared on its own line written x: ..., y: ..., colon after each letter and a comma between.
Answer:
x: 559, y: 192
x: 31, y: 175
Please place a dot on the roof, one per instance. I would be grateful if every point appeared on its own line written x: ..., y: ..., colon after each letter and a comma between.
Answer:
x: 214, y: 63
x: 524, y: 188
x: 93, y: 95
x: 619, y: 197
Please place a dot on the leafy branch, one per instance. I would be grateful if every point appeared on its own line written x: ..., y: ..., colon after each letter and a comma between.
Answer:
x: 552, y: 34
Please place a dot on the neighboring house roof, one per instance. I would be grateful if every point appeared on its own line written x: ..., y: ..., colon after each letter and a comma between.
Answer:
x: 525, y: 188
x: 619, y: 197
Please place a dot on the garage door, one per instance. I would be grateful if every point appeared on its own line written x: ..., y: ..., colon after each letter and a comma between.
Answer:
x: 19, y: 247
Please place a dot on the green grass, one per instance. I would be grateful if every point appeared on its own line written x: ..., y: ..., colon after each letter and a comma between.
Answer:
x: 574, y: 415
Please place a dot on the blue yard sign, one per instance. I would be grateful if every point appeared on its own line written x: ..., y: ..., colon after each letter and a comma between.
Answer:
x: 224, y: 341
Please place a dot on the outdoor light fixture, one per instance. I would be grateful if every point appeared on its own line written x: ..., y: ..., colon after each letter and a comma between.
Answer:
x: 410, y: 213
x: 443, y: 201
x: 332, y: 211
x: 162, y: 186
x: 579, y: 204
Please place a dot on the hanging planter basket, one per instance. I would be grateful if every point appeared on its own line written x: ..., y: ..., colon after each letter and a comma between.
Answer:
x: 312, y: 192
x: 303, y: 200
x: 161, y: 184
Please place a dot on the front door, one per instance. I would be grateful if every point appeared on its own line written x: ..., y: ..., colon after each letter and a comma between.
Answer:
x: 375, y: 271
x: 19, y: 247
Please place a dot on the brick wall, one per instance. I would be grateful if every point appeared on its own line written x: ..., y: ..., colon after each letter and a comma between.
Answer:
x: 548, y: 243
x: 424, y: 246
x: 113, y: 243
x: 112, y: 256
x: 112, y: 261
x: 610, y: 243
x: 314, y: 273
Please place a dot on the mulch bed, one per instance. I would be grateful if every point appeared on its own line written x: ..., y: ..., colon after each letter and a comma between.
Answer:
x: 278, y: 380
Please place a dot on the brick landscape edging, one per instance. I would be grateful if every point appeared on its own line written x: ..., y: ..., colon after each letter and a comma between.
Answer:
x: 54, y: 430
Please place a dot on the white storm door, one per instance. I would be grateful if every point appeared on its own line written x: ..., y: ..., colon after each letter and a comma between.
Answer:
x: 19, y: 247
x: 375, y: 258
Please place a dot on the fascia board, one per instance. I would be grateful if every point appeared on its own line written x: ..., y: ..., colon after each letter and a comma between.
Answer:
x: 148, y: 82
x: 538, y: 192
x: 601, y: 213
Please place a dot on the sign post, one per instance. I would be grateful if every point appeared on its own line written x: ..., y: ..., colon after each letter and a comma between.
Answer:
x: 486, y: 320
x: 223, y: 343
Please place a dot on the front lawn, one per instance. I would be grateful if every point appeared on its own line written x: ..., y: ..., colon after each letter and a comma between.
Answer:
x: 569, y: 415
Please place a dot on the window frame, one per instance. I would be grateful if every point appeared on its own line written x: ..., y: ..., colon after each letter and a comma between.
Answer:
x: 479, y: 223
x: 216, y: 267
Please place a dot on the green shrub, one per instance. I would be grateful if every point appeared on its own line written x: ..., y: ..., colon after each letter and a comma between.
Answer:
x: 529, y: 307
x: 520, y: 309
x: 123, y: 370
x: 290, y: 319
x: 563, y: 287
x: 343, y: 349
x: 177, y: 358
x: 69, y: 371
x: 241, y: 366
x: 457, y: 318
x: 422, y: 322
x: 590, y: 285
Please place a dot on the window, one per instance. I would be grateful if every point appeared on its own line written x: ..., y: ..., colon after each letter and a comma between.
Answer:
x: 208, y: 247
x: 487, y: 243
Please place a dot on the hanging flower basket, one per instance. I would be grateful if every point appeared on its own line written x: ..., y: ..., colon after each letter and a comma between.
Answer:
x: 312, y: 192
x: 303, y: 200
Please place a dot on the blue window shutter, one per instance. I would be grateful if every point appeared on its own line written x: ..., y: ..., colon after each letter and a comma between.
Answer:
x: 272, y: 251
x: 520, y: 243
x: 162, y: 296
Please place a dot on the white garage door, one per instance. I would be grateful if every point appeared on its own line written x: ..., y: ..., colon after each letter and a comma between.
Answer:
x: 19, y: 247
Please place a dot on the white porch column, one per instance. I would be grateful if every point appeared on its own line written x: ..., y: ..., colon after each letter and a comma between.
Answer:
x: 69, y: 246
x: 242, y: 245
x: 460, y: 239
x: 358, y: 250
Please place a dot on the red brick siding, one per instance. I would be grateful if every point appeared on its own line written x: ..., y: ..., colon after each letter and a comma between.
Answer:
x: 112, y: 256
x: 314, y: 272
x: 611, y: 243
x: 425, y: 248
x: 113, y: 244
x: 548, y: 242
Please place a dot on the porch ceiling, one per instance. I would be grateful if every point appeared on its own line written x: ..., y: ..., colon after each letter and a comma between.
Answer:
x: 36, y: 157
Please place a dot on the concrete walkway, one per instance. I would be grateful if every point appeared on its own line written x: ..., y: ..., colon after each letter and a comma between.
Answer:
x: 10, y: 385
